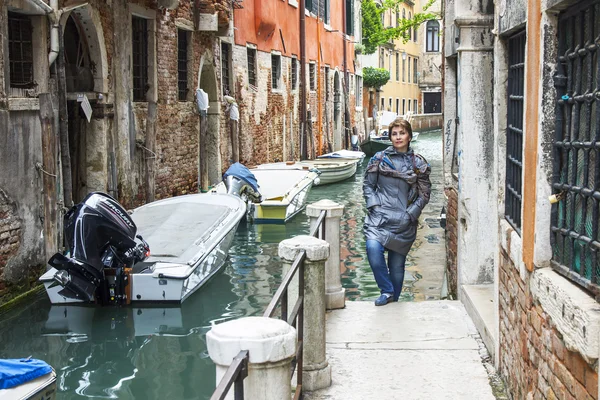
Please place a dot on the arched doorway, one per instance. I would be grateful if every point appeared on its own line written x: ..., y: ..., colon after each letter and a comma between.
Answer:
x: 208, y: 83
x: 86, y: 75
x: 337, y: 112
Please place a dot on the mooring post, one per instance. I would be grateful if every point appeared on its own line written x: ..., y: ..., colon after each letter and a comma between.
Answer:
x: 316, y: 370
x: 271, y: 345
x: 334, y: 292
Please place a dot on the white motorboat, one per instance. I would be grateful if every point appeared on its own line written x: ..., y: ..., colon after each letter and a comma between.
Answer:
x: 189, y: 237
x: 344, y: 154
x: 330, y: 170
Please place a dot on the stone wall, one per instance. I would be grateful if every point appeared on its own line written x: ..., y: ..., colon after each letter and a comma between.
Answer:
x: 534, y: 358
x: 427, y: 122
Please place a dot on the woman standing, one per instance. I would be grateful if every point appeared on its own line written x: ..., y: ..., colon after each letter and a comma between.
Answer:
x: 396, y: 189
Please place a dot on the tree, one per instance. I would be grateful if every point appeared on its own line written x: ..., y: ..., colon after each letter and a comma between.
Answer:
x: 375, y: 34
x: 375, y: 77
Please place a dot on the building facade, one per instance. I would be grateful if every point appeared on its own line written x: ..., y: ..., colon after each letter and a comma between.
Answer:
x: 266, y: 78
x: 521, y: 170
x: 99, y: 96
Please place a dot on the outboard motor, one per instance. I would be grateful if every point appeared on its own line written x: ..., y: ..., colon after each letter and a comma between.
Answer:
x: 354, y: 142
x: 241, y: 182
x: 100, y: 236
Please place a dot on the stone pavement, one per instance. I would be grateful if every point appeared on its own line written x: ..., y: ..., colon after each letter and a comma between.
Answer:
x: 410, y: 350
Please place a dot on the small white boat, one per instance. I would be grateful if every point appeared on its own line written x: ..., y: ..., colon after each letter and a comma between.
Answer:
x: 189, y: 238
x: 344, y: 154
x: 43, y: 387
x: 284, y: 191
x: 330, y: 170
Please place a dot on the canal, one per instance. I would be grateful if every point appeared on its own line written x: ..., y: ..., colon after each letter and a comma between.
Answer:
x: 160, y: 353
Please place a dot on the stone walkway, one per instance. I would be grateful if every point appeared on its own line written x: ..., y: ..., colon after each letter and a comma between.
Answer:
x: 420, y: 350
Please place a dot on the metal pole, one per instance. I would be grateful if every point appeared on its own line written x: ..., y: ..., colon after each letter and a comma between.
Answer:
x: 303, y: 138
x: 319, y: 100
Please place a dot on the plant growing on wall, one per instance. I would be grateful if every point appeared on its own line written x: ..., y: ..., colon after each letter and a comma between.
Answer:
x: 375, y: 33
x: 375, y: 77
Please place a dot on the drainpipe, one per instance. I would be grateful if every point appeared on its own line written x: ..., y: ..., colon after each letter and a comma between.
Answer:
x: 54, y: 32
x: 303, y: 138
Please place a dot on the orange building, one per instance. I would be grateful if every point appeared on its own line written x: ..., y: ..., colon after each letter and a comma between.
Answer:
x: 265, y: 77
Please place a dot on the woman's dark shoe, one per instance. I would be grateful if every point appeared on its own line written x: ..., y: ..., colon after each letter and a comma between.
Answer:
x: 383, y: 300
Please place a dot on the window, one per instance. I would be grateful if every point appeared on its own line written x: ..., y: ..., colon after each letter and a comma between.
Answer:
x: 397, y: 18
x: 326, y: 83
x: 415, y: 34
x: 408, y: 105
x: 575, y: 219
x: 390, y: 57
x: 415, y: 107
x: 404, y: 13
x: 326, y: 11
x: 514, y: 130
x: 382, y: 104
x: 391, y: 14
x: 251, y: 54
x: 381, y: 57
x: 312, y: 76
x: 397, y: 67
x: 409, y: 70
x: 403, y: 70
x: 182, y: 65
x: 225, y: 68
x: 390, y: 105
x: 294, y: 69
x: 350, y: 17
x: 433, y: 36
x: 409, y: 30
x: 415, y: 68
x: 358, y: 91
x: 139, y: 30
x: 20, y: 51
x: 403, y: 106
x: 275, y: 71
x: 397, y: 106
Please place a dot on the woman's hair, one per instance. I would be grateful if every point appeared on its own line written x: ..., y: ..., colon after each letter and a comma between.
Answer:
x: 402, y: 123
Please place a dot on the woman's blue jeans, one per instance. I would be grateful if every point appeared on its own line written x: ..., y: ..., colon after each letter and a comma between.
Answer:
x: 389, y: 276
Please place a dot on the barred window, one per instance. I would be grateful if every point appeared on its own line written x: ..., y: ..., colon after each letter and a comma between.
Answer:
x: 358, y: 91
x: 514, y: 130
x: 294, y: 70
x: 225, y: 68
x: 139, y: 43
x: 326, y: 73
x: 20, y: 51
x: 275, y: 71
x: 312, y: 76
x: 576, y: 160
x: 182, y: 64
x: 252, y: 66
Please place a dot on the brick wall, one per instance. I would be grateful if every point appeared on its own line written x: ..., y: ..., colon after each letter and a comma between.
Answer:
x: 533, y: 358
x: 10, y: 236
x: 451, y: 239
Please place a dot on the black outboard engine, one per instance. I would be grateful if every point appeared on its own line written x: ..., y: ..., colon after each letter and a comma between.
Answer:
x: 100, y: 236
x: 241, y: 182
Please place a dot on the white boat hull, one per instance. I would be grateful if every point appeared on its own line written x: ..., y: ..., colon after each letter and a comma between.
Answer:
x: 166, y: 277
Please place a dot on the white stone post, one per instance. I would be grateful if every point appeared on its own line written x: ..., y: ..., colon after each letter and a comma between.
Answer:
x: 316, y: 370
x: 271, y: 345
x: 334, y: 292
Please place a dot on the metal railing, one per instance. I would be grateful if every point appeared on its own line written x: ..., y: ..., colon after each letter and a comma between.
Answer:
x: 238, y: 370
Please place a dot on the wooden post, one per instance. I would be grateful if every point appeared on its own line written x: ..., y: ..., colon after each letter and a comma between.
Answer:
x: 65, y: 156
x: 49, y: 175
x: 150, y: 151
x: 203, y: 156
x: 235, y: 148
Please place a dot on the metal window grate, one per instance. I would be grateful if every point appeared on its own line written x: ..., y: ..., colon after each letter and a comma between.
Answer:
x: 312, y: 76
x: 294, y: 73
x: 225, y: 69
x: 139, y: 28
x: 251, y: 66
x: 182, y: 64
x: 514, y: 131
x: 275, y: 70
x: 20, y: 51
x: 576, y: 157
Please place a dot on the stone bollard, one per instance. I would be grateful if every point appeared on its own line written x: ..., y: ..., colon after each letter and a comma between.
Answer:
x: 334, y: 292
x: 271, y: 345
x: 316, y: 370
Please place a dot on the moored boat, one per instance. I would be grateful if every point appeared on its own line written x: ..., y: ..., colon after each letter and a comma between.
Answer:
x: 189, y: 235
x: 27, y: 379
x: 330, y: 170
x: 344, y: 155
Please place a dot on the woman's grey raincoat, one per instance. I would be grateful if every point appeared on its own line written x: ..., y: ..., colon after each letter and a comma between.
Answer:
x: 396, y: 188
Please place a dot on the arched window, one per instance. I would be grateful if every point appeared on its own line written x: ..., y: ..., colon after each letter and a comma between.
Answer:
x: 433, y: 36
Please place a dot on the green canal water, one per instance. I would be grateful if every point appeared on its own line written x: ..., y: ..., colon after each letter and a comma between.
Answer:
x: 160, y: 353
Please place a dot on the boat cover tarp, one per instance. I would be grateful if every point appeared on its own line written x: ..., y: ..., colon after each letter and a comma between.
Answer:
x: 344, y: 154
x: 241, y: 172
x: 173, y: 229
x: 14, y: 372
x: 276, y: 183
